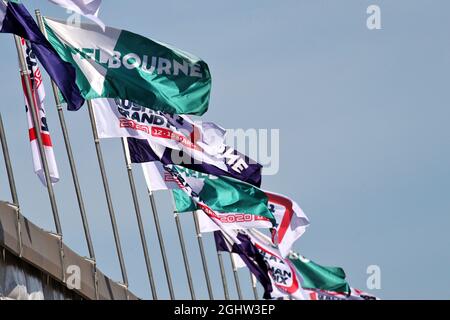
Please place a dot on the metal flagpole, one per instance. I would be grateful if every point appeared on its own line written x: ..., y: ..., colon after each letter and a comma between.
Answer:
x: 161, y: 244
x: 139, y: 217
x: 107, y: 193
x: 236, y: 276
x: 203, y: 256
x: 37, y: 128
x: 222, y: 273
x: 11, y: 180
x: 255, y: 289
x: 9, y: 170
x: 185, y: 258
x: 73, y: 168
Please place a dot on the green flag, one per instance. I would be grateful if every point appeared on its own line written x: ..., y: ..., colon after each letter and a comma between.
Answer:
x: 315, y: 276
x: 221, y: 194
x: 121, y: 64
x: 183, y: 203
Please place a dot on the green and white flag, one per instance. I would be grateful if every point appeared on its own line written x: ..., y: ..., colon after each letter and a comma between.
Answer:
x: 314, y: 276
x: 221, y: 194
x: 121, y: 64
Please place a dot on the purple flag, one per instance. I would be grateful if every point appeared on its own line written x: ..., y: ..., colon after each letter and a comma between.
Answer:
x: 14, y: 18
x: 251, y: 257
x: 141, y: 151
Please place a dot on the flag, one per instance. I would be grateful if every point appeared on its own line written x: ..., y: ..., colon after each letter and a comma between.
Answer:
x: 14, y: 18
x: 147, y: 151
x: 228, y: 163
x: 201, y: 141
x: 222, y: 194
x: 87, y: 8
x: 173, y: 139
x: 228, y: 239
x: 249, y: 254
x: 162, y: 137
x: 38, y: 93
x: 310, y: 280
x: 118, y: 118
x: 301, y: 279
x: 285, y: 279
x: 237, y: 243
x: 291, y: 221
x: 121, y: 64
x: 315, y: 276
x: 157, y: 178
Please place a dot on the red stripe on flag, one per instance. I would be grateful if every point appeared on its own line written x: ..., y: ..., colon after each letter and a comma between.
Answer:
x: 46, y: 140
x: 287, y: 216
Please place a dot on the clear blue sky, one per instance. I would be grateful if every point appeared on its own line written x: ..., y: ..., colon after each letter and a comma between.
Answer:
x: 363, y: 118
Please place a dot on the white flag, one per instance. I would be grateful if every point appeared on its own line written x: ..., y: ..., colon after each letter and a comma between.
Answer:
x: 87, y: 8
x: 124, y: 119
x: 38, y: 97
x: 173, y: 139
x: 157, y: 178
x: 291, y: 221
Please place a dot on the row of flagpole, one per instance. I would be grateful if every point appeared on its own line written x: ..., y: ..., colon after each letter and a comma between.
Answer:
x: 26, y: 80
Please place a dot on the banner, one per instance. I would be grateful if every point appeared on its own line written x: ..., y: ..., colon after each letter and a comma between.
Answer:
x: 315, y: 276
x: 14, y: 18
x: 173, y: 139
x: 291, y: 221
x: 285, y: 280
x: 121, y: 64
x: 157, y: 178
x: 228, y: 239
x: 38, y: 93
x: 222, y: 194
x: 202, y: 142
x: 230, y: 163
x: 299, y: 278
x: 243, y: 248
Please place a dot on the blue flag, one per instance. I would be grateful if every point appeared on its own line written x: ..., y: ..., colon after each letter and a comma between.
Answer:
x: 250, y: 255
x: 141, y: 151
x: 15, y: 19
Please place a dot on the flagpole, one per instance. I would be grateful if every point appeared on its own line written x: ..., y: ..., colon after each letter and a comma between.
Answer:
x: 161, y: 244
x: 222, y: 274
x: 185, y: 258
x: 11, y: 180
x: 107, y: 194
x: 73, y: 168
x: 9, y: 170
x: 139, y: 217
x: 236, y: 276
x: 202, y: 255
x: 37, y: 128
x: 255, y: 289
